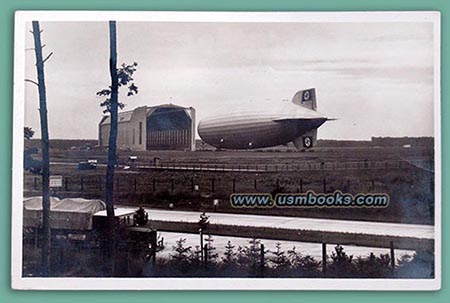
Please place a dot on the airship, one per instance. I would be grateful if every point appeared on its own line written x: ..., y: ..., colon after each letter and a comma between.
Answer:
x: 296, y: 121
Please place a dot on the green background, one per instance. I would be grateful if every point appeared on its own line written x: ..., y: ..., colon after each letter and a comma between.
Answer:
x: 7, y: 8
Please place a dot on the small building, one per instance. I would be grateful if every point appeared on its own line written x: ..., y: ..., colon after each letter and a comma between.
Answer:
x: 162, y: 127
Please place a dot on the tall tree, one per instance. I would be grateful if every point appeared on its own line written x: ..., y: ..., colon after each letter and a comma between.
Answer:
x: 112, y: 143
x: 119, y: 77
x: 46, y: 231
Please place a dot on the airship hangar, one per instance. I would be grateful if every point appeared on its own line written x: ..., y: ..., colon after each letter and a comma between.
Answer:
x: 162, y: 127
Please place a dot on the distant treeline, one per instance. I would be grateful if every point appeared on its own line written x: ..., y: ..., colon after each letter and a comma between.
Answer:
x: 380, y: 141
x: 62, y: 143
x: 200, y: 145
x: 375, y: 141
x: 403, y: 141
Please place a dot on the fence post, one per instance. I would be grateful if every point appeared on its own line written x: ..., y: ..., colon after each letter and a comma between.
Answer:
x: 278, y: 183
x: 301, y: 185
x: 205, y: 247
x: 81, y: 184
x: 255, y: 185
x: 324, y: 257
x: 154, y: 245
x: 66, y: 183
x: 99, y: 183
x: 348, y: 185
x: 200, y: 232
x: 391, y: 244
x: 35, y: 183
x: 373, y: 184
x: 324, y: 185
x: 262, y: 261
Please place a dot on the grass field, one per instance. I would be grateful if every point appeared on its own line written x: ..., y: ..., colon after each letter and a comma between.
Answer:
x: 411, y: 188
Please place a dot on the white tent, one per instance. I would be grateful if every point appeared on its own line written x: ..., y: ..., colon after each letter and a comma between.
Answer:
x: 69, y: 213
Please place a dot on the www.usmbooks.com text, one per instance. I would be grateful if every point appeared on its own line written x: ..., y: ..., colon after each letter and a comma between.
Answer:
x: 309, y: 199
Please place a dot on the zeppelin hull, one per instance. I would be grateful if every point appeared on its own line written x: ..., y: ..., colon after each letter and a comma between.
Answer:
x: 296, y: 121
x: 248, y: 132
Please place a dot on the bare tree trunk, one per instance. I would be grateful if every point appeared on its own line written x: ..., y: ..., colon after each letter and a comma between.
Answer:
x: 46, y: 232
x: 110, y: 237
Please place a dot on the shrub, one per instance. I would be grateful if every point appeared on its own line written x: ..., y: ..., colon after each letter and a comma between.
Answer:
x: 341, y: 264
x: 374, y: 267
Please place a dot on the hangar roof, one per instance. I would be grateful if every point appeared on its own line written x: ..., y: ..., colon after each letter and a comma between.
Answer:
x: 123, y: 117
x: 126, y: 116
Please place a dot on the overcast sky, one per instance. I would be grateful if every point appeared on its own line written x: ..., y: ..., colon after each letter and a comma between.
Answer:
x: 376, y: 78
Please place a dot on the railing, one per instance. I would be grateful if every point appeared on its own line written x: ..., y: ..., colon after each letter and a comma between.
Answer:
x: 286, y: 167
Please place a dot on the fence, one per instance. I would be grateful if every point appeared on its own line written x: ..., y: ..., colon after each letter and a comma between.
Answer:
x: 260, y: 260
x: 287, y: 167
x: 226, y: 185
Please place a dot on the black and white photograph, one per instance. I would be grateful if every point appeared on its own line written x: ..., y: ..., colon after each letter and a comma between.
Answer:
x: 226, y: 150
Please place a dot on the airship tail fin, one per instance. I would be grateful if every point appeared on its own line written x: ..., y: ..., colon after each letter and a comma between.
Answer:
x: 307, y: 140
x: 306, y: 98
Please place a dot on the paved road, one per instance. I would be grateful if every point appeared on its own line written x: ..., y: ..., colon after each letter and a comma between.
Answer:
x: 364, y: 227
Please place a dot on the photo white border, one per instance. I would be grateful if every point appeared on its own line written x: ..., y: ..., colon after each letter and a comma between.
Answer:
x: 19, y: 282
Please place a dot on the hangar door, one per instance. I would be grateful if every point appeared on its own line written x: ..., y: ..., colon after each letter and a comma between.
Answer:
x: 168, y: 128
